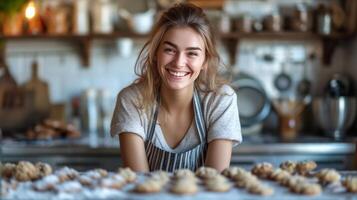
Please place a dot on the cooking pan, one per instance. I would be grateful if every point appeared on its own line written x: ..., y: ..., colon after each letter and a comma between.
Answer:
x: 253, y: 103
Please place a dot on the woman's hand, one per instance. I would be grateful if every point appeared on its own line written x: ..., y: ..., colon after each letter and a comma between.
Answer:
x: 219, y: 154
x: 132, y: 151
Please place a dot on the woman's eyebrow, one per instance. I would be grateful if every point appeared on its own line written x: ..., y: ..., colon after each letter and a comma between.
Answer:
x: 175, y: 46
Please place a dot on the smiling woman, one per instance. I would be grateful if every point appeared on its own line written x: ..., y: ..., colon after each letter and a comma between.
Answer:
x: 179, y: 113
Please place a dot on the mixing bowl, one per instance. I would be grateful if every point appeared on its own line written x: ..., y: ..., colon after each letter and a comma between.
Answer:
x: 334, y: 114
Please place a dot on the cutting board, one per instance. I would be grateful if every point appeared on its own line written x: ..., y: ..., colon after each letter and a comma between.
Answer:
x: 7, y: 85
x: 41, y: 103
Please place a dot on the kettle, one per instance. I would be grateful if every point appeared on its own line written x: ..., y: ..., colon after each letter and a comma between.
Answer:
x: 338, y: 85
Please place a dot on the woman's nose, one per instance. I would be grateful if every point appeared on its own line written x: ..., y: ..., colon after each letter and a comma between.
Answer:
x: 180, y: 60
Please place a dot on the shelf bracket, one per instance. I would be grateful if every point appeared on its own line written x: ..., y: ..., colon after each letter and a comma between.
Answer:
x: 231, y: 46
x: 85, y: 50
x: 328, y: 48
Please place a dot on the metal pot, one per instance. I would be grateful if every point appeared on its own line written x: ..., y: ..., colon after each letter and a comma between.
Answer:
x: 253, y: 103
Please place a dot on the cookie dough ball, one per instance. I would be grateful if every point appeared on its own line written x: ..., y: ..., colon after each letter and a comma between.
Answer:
x: 218, y: 184
x: 148, y: 186
x: 327, y: 176
x: 304, y: 167
x: 114, y: 182
x: 8, y: 170
x: 295, y: 180
x: 279, y: 174
x: 260, y: 189
x: 43, y: 169
x: 232, y: 171
x: 306, y: 188
x: 47, y: 183
x: 184, y: 186
x: 161, y: 176
x: 350, y: 183
x: 69, y: 187
x: 244, y: 180
x: 289, y: 166
x: 206, y: 172
x: 26, y: 171
x: 262, y: 170
x: 182, y: 173
x: 128, y: 174
x: 66, y: 173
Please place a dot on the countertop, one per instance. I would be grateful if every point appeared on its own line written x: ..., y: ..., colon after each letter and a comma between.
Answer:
x: 257, y: 144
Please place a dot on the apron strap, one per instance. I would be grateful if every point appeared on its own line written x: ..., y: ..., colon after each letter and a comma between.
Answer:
x: 200, y: 122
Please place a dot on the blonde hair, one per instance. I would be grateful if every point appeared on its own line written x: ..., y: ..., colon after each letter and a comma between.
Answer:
x: 180, y: 15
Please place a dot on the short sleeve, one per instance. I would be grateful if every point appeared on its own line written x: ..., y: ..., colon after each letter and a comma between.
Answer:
x: 223, y: 116
x: 127, y: 116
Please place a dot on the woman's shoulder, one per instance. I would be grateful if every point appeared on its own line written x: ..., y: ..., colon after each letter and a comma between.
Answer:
x: 221, y: 91
x: 130, y: 91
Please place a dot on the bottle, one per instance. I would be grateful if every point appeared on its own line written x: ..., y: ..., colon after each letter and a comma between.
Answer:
x: 324, y: 20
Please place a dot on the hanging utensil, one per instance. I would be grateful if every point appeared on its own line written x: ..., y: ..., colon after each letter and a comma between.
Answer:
x: 304, y: 86
x: 283, y: 81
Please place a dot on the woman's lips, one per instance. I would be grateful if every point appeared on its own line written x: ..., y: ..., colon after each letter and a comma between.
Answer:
x: 177, y: 74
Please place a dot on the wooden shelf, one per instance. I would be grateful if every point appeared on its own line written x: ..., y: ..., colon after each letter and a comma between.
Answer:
x: 329, y: 42
x: 230, y: 40
x: 84, y: 42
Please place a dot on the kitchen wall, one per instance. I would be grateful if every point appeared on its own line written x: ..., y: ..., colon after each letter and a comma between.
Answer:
x: 60, y: 65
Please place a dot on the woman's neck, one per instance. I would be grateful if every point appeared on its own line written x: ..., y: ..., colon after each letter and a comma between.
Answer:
x: 175, y: 101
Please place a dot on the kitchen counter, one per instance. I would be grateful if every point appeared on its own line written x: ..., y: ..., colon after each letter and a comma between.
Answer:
x: 326, y: 152
x: 329, y: 192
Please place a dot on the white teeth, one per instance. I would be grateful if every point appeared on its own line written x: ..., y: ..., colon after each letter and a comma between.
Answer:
x: 178, y: 74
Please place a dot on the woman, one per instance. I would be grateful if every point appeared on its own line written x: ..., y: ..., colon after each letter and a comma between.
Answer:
x: 178, y: 113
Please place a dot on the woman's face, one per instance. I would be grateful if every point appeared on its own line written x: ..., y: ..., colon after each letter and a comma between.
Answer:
x: 180, y: 58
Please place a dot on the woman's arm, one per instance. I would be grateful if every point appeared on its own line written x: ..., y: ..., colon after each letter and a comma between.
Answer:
x: 219, y: 154
x: 132, y: 151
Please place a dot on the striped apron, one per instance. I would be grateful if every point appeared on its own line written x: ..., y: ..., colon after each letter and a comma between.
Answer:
x: 192, y: 159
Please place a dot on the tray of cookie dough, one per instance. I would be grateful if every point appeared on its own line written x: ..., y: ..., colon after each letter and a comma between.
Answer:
x: 291, y: 180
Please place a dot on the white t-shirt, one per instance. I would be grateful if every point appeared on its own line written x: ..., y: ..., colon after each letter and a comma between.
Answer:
x: 220, y: 113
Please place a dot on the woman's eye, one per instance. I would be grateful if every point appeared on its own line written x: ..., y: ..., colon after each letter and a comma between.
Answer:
x: 169, y: 50
x: 192, y: 54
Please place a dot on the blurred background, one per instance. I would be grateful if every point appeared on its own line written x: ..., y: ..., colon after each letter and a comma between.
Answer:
x: 292, y: 64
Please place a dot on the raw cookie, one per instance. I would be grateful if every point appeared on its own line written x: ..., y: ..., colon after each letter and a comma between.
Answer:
x: 183, y: 173
x: 69, y: 187
x: 289, y: 166
x: 128, y: 174
x: 66, y: 173
x: 8, y: 170
x: 206, y: 172
x: 306, y: 188
x: 304, y: 167
x: 184, y: 186
x: 43, y: 169
x: 262, y: 170
x: 232, y: 171
x: 161, y: 176
x: 350, y: 184
x: 115, y: 182
x: 218, y: 183
x: 279, y: 174
x: 47, y: 183
x: 327, y: 176
x: 26, y: 171
x: 148, y: 186
x: 260, y: 189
